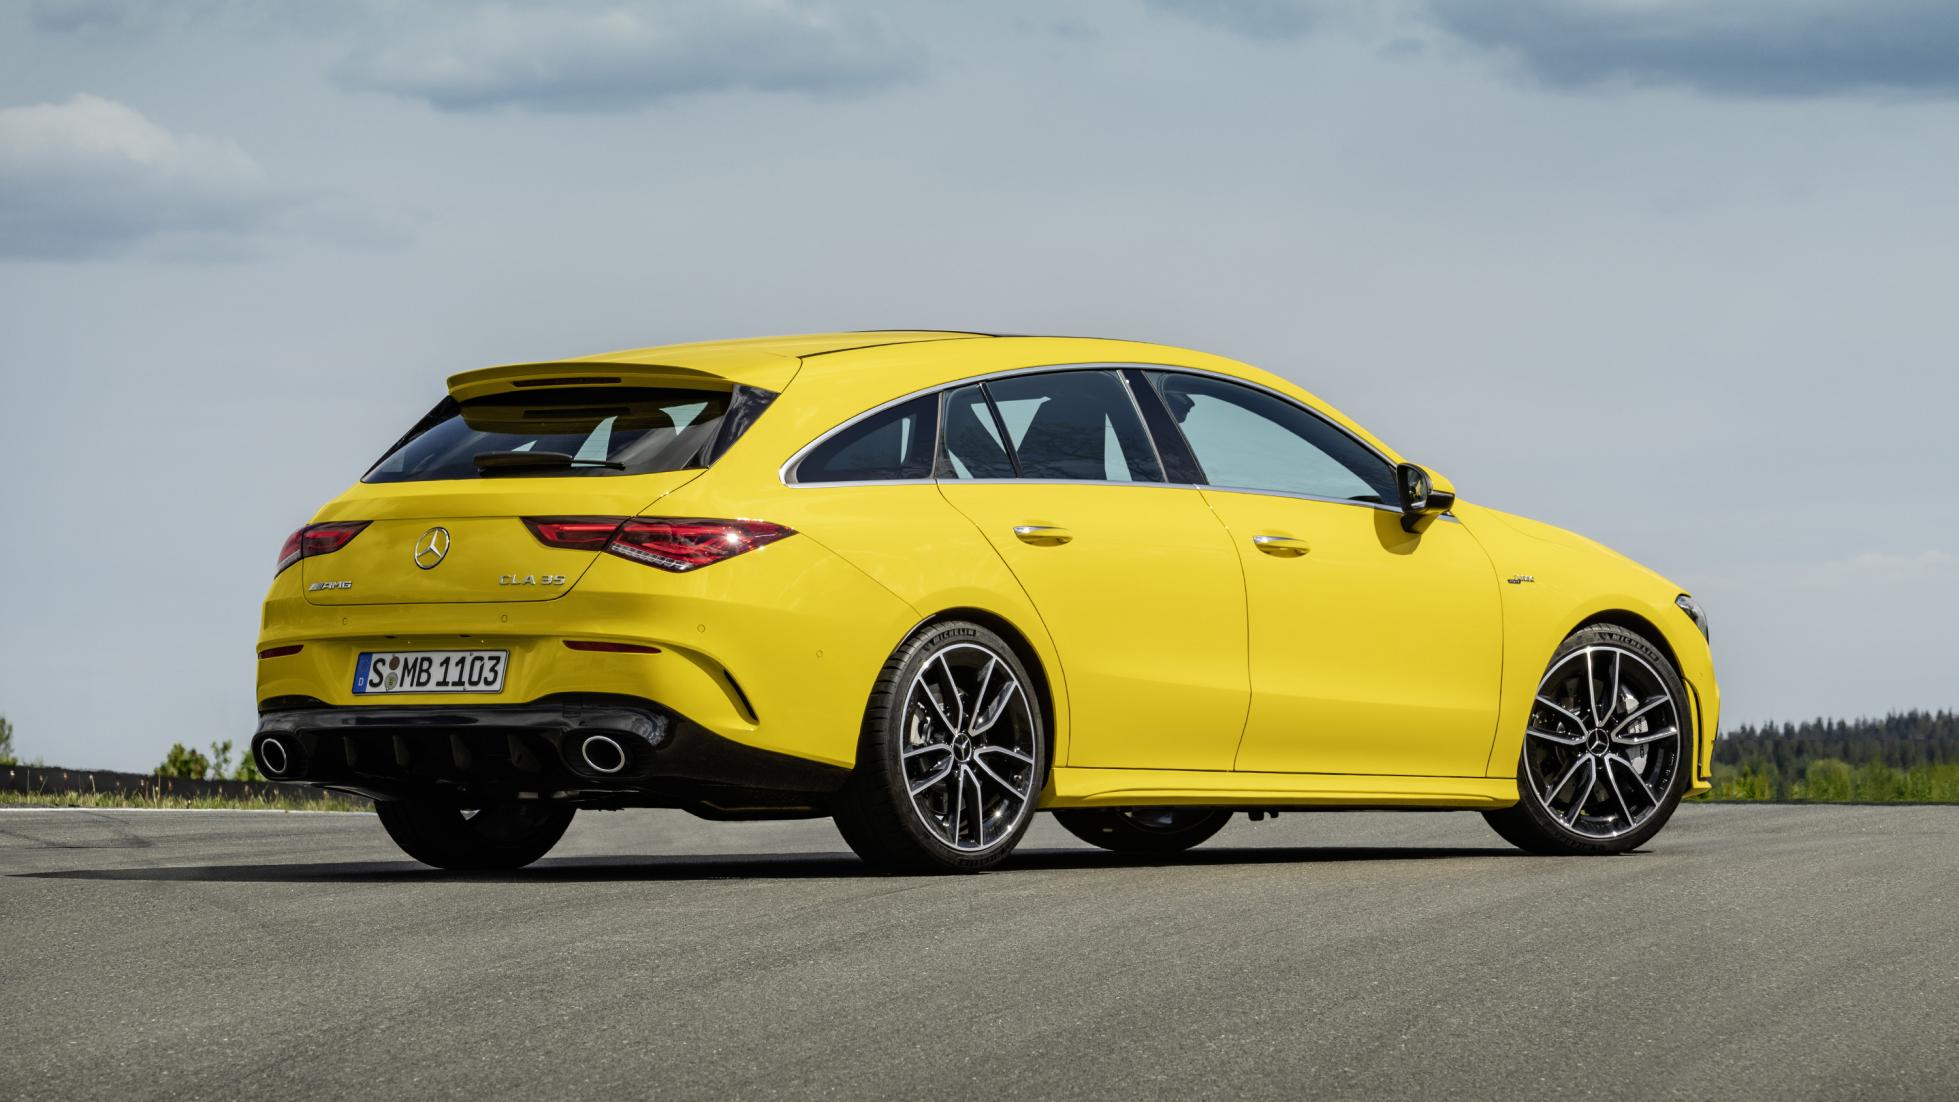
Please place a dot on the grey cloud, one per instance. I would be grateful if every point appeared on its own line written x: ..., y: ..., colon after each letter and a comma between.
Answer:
x: 625, y: 55
x: 114, y: 19
x: 1770, y: 48
x: 1737, y: 47
x: 1253, y: 18
x: 91, y: 178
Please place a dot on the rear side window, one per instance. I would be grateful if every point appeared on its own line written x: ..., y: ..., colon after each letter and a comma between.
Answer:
x: 564, y: 431
x: 893, y: 444
x: 1074, y: 425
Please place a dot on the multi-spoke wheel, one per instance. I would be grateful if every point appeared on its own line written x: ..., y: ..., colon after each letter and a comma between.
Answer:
x: 1144, y: 829
x: 952, y: 757
x: 1604, y: 757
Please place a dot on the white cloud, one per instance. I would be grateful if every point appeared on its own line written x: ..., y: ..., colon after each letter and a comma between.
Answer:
x: 91, y: 177
x: 616, y: 56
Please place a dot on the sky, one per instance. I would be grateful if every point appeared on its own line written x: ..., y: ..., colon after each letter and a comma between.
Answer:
x: 1677, y: 276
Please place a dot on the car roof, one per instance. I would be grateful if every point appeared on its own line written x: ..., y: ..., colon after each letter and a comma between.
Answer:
x: 768, y: 362
x: 864, y: 368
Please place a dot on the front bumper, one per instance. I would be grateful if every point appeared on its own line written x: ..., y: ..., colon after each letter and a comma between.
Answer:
x: 469, y: 755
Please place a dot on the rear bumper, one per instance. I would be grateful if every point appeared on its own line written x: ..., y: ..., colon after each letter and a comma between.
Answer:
x: 536, y: 751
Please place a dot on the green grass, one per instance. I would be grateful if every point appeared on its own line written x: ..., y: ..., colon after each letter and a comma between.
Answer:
x: 1828, y: 780
x: 155, y: 799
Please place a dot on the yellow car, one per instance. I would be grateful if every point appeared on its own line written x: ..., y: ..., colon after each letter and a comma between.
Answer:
x: 929, y: 583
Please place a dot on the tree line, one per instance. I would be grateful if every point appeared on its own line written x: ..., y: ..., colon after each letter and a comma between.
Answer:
x: 1909, y: 756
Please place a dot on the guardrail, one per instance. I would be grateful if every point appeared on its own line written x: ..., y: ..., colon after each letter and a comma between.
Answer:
x: 32, y: 779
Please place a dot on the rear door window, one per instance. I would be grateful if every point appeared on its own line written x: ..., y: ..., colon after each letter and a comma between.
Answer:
x: 561, y: 431
x: 1074, y: 426
x: 974, y: 447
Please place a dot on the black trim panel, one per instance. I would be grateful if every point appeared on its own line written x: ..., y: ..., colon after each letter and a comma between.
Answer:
x: 484, y: 753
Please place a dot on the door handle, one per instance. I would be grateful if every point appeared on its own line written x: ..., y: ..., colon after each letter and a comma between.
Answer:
x: 1283, y: 546
x: 1042, y: 534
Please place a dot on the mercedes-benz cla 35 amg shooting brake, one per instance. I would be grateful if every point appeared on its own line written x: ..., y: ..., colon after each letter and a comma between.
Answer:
x: 931, y: 583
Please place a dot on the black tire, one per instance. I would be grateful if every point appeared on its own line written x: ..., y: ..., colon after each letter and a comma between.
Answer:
x: 1532, y: 824
x: 1144, y: 829
x: 495, y: 838
x: 876, y: 811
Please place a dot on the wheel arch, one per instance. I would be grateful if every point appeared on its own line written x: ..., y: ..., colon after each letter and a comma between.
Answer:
x: 1531, y: 640
x: 1702, y: 749
x: 1023, y: 648
x: 1638, y: 625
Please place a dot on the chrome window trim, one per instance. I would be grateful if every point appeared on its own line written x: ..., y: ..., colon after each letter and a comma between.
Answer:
x: 865, y: 482
x: 1019, y: 482
x: 787, y: 472
x: 1058, y: 482
x: 1256, y: 492
x: 1253, y: 491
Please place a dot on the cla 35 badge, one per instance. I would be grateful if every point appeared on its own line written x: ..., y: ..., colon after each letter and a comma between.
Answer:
x: 531, y: 579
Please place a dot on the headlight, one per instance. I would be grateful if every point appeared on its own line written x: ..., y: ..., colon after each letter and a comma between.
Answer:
x: 1692, y: 608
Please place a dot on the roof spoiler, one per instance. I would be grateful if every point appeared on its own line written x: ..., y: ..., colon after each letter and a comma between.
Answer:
x: 588, y: 373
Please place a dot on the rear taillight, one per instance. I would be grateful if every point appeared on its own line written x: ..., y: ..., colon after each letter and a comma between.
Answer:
x: 666, y: 542
x: 577, y: 533
x: 318, y: 539
x: 691, y: 544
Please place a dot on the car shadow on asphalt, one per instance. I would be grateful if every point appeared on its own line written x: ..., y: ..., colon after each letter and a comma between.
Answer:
x: 755, y: 866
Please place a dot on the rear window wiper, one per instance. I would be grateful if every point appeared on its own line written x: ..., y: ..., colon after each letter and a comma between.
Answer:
x: 492, y: 462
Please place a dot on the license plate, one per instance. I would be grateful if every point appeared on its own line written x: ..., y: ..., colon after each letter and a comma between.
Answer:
x: 430, y: 671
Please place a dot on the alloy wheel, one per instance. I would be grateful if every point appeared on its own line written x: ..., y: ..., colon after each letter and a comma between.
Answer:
x: 969, y: 748
x: 1604, y: 742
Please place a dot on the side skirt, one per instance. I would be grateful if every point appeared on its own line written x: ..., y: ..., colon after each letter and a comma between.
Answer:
x: 1078, y: 787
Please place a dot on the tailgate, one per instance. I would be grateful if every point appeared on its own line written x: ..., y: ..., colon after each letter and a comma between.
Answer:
x: 454, y: 541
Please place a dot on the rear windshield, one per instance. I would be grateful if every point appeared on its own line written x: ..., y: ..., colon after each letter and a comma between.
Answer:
x: 571, y: 431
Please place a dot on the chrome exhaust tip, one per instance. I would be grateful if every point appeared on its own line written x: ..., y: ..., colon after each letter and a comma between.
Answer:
x: 602, y: 754
x: 273, y: 759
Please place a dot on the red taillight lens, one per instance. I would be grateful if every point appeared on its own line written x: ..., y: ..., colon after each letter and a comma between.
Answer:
x: 318, y: 539
x: 578, y: 533
x: 679, y: 545
x: 668, y: 543
x: 281, y: 652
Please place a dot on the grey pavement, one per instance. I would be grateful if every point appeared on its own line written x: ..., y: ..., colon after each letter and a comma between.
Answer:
x: 1750, y: 952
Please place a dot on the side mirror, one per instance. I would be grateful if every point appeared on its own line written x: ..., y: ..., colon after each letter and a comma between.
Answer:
x: 1425, y: 495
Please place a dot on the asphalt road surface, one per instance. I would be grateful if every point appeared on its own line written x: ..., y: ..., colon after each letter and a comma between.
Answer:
x: 1751, y: 952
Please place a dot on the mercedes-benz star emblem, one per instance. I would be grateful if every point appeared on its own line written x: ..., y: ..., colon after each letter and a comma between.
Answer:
x: 432, y: 548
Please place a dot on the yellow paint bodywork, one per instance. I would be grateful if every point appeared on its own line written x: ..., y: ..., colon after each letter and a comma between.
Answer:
x: 1416, y: 660
x: 1145, y: 604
